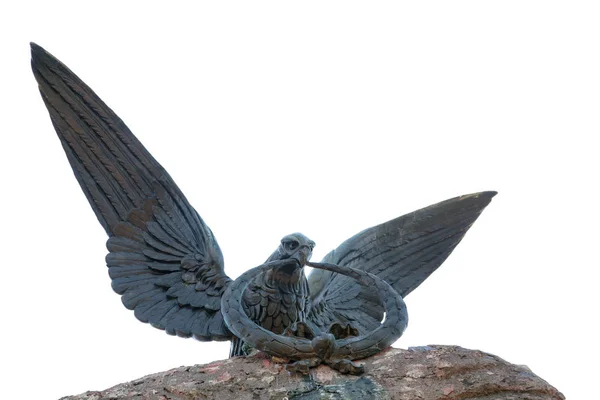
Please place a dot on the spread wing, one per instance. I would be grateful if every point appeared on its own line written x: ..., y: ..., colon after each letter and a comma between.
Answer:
x: 403, y: 252
x: 163, y: 259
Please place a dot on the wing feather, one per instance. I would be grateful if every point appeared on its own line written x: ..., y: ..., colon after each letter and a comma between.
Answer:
x: 403, y: 252
x: 163, y: 259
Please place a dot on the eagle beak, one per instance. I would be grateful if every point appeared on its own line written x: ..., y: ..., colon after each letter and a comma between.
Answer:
x: 302, y: 255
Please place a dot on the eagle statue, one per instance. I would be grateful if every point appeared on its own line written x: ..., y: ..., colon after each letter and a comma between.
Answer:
x: 167, y: 265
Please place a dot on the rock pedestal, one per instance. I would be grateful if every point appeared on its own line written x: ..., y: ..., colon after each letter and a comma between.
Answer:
x: 427, y: 372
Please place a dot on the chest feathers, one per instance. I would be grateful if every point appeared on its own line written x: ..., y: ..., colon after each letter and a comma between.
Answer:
x: 276, y: 299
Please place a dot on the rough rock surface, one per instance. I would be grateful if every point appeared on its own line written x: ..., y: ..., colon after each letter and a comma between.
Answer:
x: 427, y: 372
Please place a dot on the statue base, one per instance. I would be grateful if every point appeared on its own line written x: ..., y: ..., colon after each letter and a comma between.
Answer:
x: 426, y: 372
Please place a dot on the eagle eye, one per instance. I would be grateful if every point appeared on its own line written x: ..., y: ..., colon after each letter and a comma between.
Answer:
x: 292, y: 245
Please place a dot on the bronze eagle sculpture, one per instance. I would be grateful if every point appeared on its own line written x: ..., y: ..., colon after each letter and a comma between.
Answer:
x: 167, y: 265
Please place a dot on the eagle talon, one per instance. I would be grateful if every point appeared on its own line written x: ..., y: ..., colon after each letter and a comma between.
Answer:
x: 342, y: 332
x: 303, y: 366
x: 299, y: 329
x: 248, y: 350
x: 346, y: 367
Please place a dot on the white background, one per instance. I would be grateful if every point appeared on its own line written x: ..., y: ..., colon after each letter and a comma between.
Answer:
x: 324, y: 118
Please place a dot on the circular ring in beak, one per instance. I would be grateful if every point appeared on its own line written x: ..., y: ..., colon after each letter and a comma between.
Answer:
x: 298, y: 348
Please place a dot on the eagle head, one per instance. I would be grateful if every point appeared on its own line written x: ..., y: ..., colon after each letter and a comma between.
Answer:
x: 296, y: 247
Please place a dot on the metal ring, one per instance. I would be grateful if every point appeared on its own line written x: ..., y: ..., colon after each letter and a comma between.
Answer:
x: 298, y: 348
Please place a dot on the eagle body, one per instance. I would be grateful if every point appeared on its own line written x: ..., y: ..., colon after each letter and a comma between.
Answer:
x: 280, y: 297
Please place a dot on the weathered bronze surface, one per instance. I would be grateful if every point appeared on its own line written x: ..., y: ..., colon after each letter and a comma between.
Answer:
x: 165, y: 262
